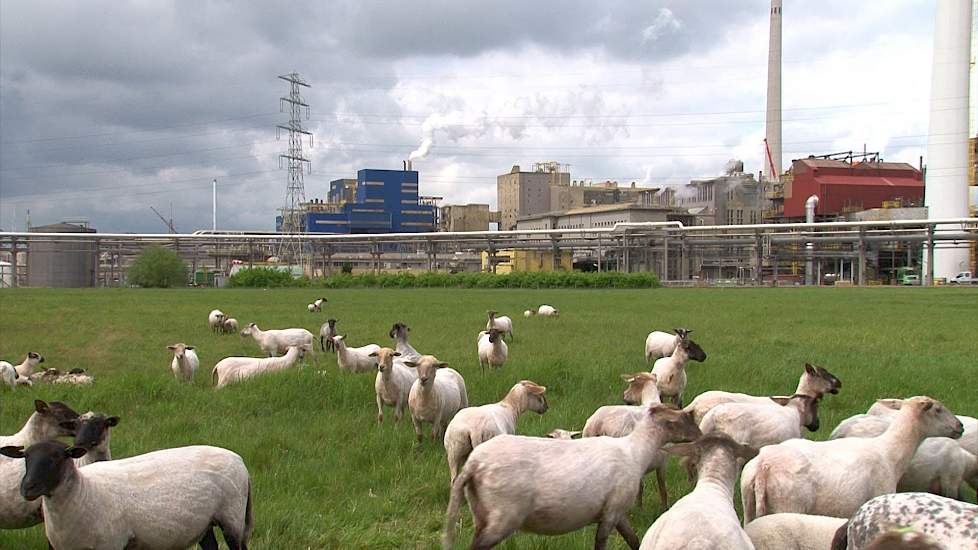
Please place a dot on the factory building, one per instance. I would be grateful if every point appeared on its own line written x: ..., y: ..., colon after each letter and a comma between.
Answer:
x: 601, y: 216
x: 735, y: 198
x: 464, y: 217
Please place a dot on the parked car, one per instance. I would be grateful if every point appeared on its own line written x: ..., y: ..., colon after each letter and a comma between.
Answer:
x: 964, y: 278
x: 910, y: 280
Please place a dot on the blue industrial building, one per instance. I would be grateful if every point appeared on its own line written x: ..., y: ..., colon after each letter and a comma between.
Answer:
x: 384, y: 201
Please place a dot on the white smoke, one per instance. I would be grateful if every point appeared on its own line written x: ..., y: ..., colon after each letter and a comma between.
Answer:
x: 452, y: 126
x: 664, y: 22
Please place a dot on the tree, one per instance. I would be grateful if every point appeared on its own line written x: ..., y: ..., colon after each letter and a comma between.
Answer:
x: 158, y: 267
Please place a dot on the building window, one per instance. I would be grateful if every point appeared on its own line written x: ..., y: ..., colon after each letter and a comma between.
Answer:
x: 740, y: 216
x: 730, y: 218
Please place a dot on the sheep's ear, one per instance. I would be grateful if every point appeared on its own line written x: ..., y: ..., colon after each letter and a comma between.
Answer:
x: 780, y: 400
x: 171, y: 348
x: 374, y: 354
x: 75, y: 452
x: 442, y: 365
x: 391, y: 333
x: 112, y: 421
x: 928, y: 405
x: 894, y: 404
x: 40, y: 406
x: 628, y: 377
x: 397, y: 354
x: 682, y: 449
x: 411, y: 364
x: 191, y: 348
x: 12, y: 451
x: 810, y: 369
x: 536, y: 388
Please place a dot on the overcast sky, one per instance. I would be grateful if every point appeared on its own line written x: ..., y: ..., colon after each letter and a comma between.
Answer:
x: 108, y: 108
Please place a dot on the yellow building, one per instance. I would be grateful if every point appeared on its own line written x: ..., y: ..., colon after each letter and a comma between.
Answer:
x: 510, y: 260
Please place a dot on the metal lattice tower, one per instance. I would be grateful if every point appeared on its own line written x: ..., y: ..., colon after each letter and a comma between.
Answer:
x: 290, y: 250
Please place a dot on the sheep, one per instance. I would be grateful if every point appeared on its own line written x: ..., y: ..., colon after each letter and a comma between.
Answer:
x: 93, y: 436
x: 969, y: 441
x: 551, y: 486
x: 501, y: 322
x: 76, y: 377
x: 229, y: 326
x: 317, y: 305
x: 548, y: 311
x: 493, y: 351
x: 948, y: 522
x: 558, y: 433
x: 529, y: 313
x: 904, y: 539
x: 354, y: 359
x: 8, y: 375
x: 435, y: 397
x: 705, y: 518
x: 671, y: 371
x: 26, y: 368
x: 235, y: 369
x: 399, y: 332
x: 814, y: 382
x: 393, y: 383
x: 215, y: 320
x: 805, y: 476
x: 160, y: 500
x: 185, y: 362
x: 474, y: 426
x: 758, y: 425
x: 326, y: 334
x: 662, y: 344
x: 793, y: 532
x: 279, y: 341
x: 49, y: 420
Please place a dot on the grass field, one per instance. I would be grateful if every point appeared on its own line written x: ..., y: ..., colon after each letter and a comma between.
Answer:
x: 326, y: 475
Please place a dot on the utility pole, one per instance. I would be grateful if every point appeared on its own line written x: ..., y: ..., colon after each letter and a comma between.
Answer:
x: 214, y: 206
x: 166, y: 222
x: 290, y: 249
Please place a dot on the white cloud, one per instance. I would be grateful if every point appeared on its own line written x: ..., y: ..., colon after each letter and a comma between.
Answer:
x: 665, y: 22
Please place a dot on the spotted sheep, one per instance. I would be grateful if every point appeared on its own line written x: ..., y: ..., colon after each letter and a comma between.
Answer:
x: 185, y: 362
x: 436, y: 396
x: 392, y: 386
x: 950, y: 523
x: 757, y: 425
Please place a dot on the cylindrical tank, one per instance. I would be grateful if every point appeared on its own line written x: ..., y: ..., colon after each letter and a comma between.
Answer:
x: 61, y: 264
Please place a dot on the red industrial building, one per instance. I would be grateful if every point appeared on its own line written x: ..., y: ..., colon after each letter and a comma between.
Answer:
x: 844, y: 187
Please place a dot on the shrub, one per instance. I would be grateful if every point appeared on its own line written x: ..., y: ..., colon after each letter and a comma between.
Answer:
x: 158, y: 267
x: 264, y: 277
x: 557, y: 279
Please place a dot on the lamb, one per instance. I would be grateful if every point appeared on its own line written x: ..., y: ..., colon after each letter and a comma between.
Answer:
x: 474, y: 426
x: 435, y: 397
x: 393, y: 383
x: 671, y: 371
x: 229, y: 326
x: 215, y: 320
x: 317, y: 305
x: 805, y: 476
x: 75, y: 377
x: 662, y: 344
x: 354, y: 359
x: 399, y: 332
x: 235, y: 369
x: 26, y: 368
x: 814, y: 382
x: 501, y: 322
x: 185, y: 362
x: 551, y: 486
x: 758, y: 425
x: 8, y: 375
x: 279, y: 341
x: 493, y: 351
x: 93, y: 436
x: 326, y: 334
x: 705, y: 518
x: 793, y: 532
x: 558, y: 433
x: 949, y: 523
x: 548, y: 311
x: 160, y: 500
x: 49, y: 420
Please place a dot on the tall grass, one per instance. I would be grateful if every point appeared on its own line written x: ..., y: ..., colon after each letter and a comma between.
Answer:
x: 326, y: 475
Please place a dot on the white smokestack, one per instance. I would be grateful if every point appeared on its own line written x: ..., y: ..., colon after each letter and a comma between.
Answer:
x: 946, y: 192
x: 772, y: 164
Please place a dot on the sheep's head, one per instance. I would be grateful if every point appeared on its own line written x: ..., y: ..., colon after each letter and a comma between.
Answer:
x: 247, y: 331
x: 331, y: 323
x: 563, y: 434
x: 638, y: 384
x: 179, y: 350
x: 35, y: 358
x: 93, y: 428
x: 427, y: 367
x: 492, y: 314
x: 399, y: 330
x: 46, y: 465
x: 678, y: 425
x: 57, y: 419
x: 707, y: 444
x: 385, y: 359
x: 495, y: 335
x: 536, y: 401
x: 936, y: 420
x: 695, y: 352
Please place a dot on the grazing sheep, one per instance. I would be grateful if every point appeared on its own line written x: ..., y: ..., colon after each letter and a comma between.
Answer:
x: 393, y: 383
x: 493, y: 351
x: 229, y: 326
x: 26, y: 368
x: 793, y: 532
x: 49, y: 420
x: 705, y: 518
x: 235, y: 369
x: 814, y: 382
x: 185, y: 362
x: 474, y: 426
x: 215, y: 320
x: 529, y: 313
x: 548, y: 311
x: 662, y: 344
x: 317, y: 306
x: 671, y: 371
x: 805, y: 476
x: 757, y: 425
x: 949, y: 523
x: 157, y: 501
x: 399, y: 332
x: 93, y: 436
x: 326, y: 334
x: 558, y: 433
x: 500, y: 322
x: 8, y: 375
x: 435, y: 397
x: 354, y: 359
x: 280, y: 340
x: 551, y: 486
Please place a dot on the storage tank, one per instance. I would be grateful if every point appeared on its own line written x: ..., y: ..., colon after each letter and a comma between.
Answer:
x: 61, y: 264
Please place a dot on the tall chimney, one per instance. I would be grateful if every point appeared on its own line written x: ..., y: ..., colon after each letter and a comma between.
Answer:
x: 946, y: 187
x: 772, y: 160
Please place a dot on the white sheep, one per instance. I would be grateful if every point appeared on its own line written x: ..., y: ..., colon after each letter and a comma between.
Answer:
x: 552, y: 486
x: 662, y: 344
x: 949, y: 524
x: 49, y: 420
x: 815, y: 381
x: 671, y: 371
x: 529, y: 313
x: 26, y: 368
x: 160, y: 500
x: 215, y: 320
x: 473, y: 426
x: 399, y: 332
x: 74, y: 377
x: 705, y: 518
x: 969, y: 441
x: 793, y: 532
x: 354, y: 359
x: 558, y: 433
x: 548, y: 311
x: 435, y: 397
x: 235, y: 369
x: 8, y: 375
x: 185, y: 362
x: 326, y: 333
x: 833, y: 478
x: 757, y: 425
x: 229, y: 326
x: 500, y: 322
x: 393, y: 383
x: 493, y: 351
x: 317, y: 305
x: 278, y: 341
x: 93, y: 436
